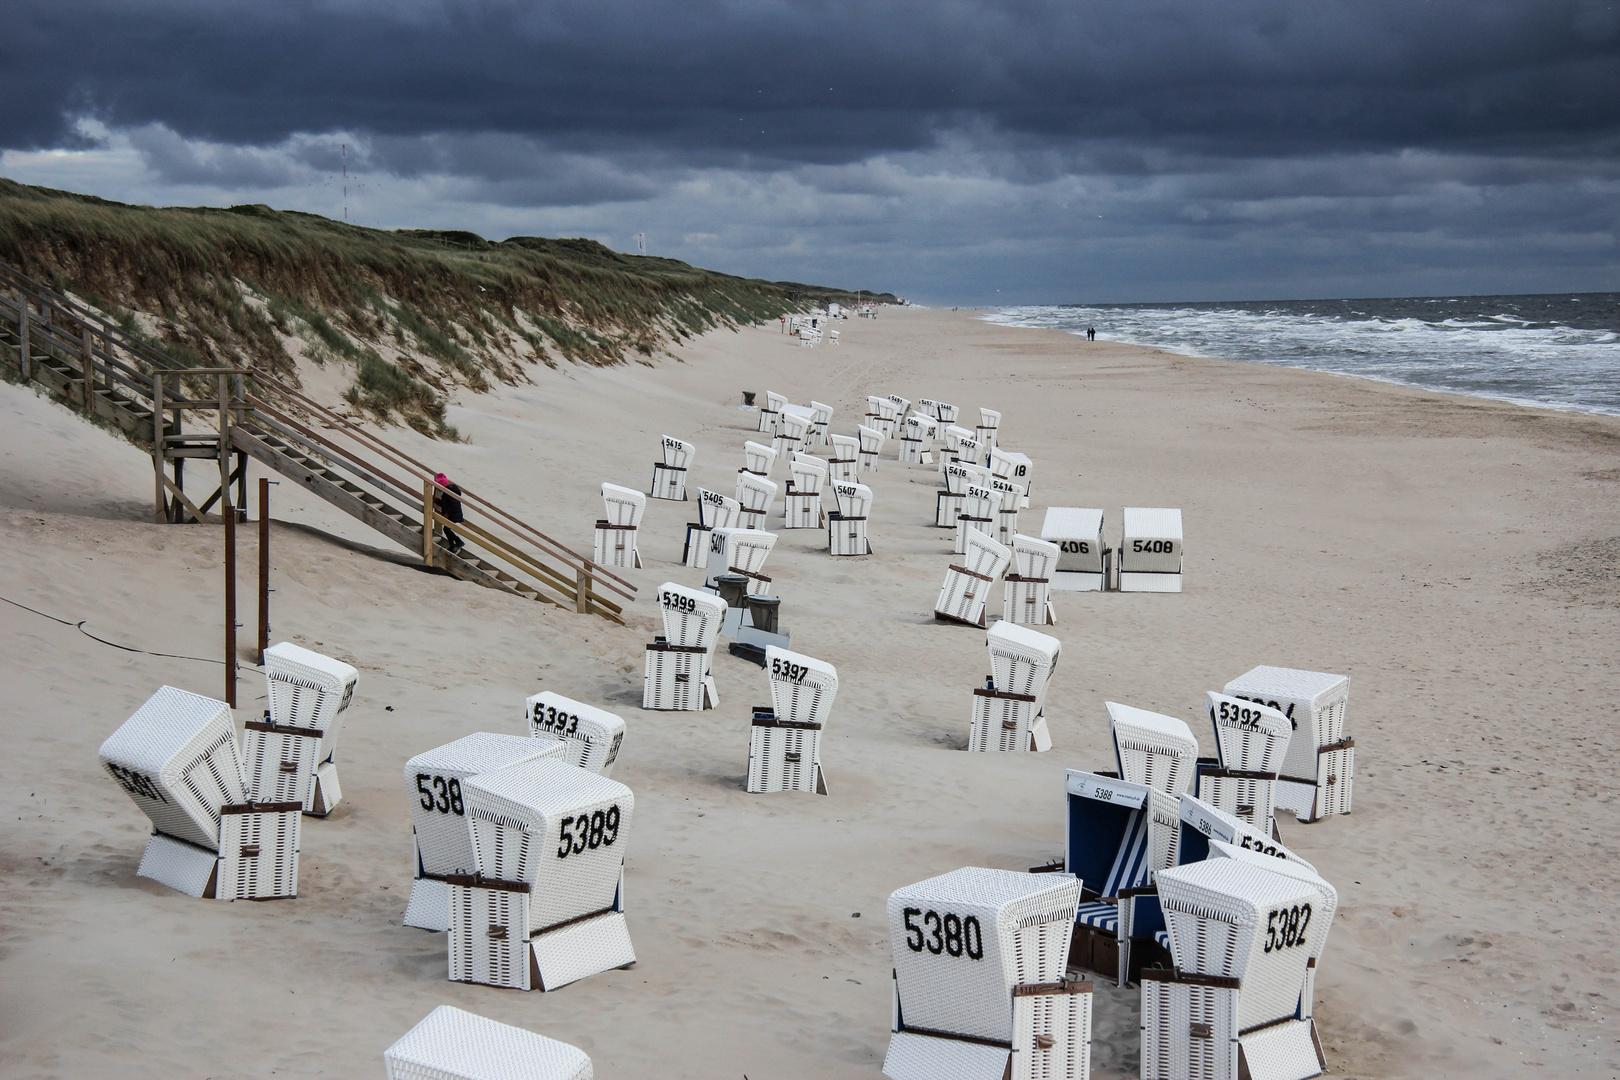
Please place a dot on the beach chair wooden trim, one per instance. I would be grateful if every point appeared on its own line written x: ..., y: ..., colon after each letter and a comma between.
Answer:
x: 986, y: 692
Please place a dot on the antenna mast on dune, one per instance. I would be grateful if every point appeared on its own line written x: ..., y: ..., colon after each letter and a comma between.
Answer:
x: 345, y: 147
x: 641, y: 243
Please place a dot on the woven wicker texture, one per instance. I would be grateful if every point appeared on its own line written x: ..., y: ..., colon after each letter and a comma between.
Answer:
x: 1245, y: 922
x: 993, y: 929
x: 989, y: 418
x: 802, y: 687
x: 809, y: 474
x: 844, y: 447
x: 176, y: 757
x: 1051, y: 1036
x: 962, y: 596
x: 755, y: 494
x: 783, y: 759
x: 434, y: 783
x: 758, y: 458
x: 1326, y: 910
x: 918, y: 1057
x: 739, y: 551
x: 1000, y: 724
x: 258, y: 855
x: 1011, y: 465
x: 668, y: 483
x: 1173, y: 1048
x: 676, y: 681
x: 677, y: 453
x: 525, y: 817
x: 1249, y: 737
x: 183, y: 867
x: 591, y: 737
x: 1153, y: 749
x: 279, y: 766
x: 581, y: 949
x: 1250, y: 800
x: 1078, y: 533
x: 801, y: 511
x: 717, y: 511
x: 854, y: 500
x: 1021, y: 659
x: 308, y: 689
x: 488, y: 941
x: 984, y: 555
x: 1282, y: 1052
x: 450, y: 1044
x: 1026, y: 603
x: 1034, y: 557
x: 1150, y: 540
x: 847, y: 537
x: 1314, y: 701
x: 691, y: 616
x: 624, y: 506
x: 1213, y: 823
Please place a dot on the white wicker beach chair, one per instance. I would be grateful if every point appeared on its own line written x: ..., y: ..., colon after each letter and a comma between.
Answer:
x: 802, y: 503
x: 947, y: 413
x: 792, y: 428
x: 309, y: 695
x: 1084, y: 562
x: 809, y: 336
x: 1011, y: 495
x: 832, y: 337
x: 784, y: 746
x: 914, y: 441
x: 758, y: 458
x: 450, y: 1044
x: 1153, y: 749
x: 979, y: 989
x: 929, y: 406
x: 821, y: 420
x: 1203, y: 824
x: 546, y: 905
x: 616, y: 533
x: 871, y: 446
x: 678, y: 664
x: 770, y: 411
x: 1317, y: 777
x: 1241, y: 936
x: 591, y: 737
x: 901, y: 406
x: 845, y: 463
x: 755, y: 495
x: 741, y: 551
x: 846, y: 529
x: 1150, y: 550
x: 988, y: 429
x: 1007, y: 711
x: 1028, y: 596
x: 1009, y: 465
x: 980, y: 505
x: 176, y: 757
x: 434, y: 780
x: 1250, y: 740
x: 967, y: 584
x: 669, y: 475
x: 715, y: 511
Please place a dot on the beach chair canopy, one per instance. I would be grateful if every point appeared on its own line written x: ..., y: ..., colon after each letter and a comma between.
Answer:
x: 176, y: 757
x: 1010, y: 465
x: 739, y: 550
x: 677, y: 452
x: 1034, y: 557
x: 1153, y: 749
x: 980, y: 503
x: 1313, y: 701
x: 308, y: 690
x: 434, y: 780
x: 1151, y: 540
x: 450, y: 1044
x: 1009, y: 493
x: 691, y: 617
x: 1291, y: 868
x: 871, y: 439
x: 624, y: 505
x: 758, y: 458
x: 1107, y: 837
x: 845, y: 447
x: 1021, y: 659
x: 1249, y: 737
x: 802, y: 687
x: 989, y: 418
x: 1202, y: 824
x: 961, y: 942
x: 1077, y: 531
x: 854, y: 500
x: 717, y: 511
x: 984, y: 555
x: 809, y: 473
x: 592, y: 737
x: 755, y: 493
x: 821, y: 413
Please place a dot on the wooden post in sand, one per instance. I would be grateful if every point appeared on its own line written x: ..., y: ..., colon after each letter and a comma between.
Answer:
x: 264, y: 566
x: 427, y: 521
x: 23, y: 357
x: 229, y: 513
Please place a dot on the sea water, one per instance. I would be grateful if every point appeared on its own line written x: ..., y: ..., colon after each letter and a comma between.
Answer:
x: 1560, y: 350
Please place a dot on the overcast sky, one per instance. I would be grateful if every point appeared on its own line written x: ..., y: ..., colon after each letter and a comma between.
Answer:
x: 954, y: 152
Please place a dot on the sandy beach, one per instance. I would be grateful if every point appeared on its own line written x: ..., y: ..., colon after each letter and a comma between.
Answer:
x: 1456, y: 557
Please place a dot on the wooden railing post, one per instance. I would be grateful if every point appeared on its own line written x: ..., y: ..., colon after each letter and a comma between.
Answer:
x: 264, y: 566
x: 87, y: 399
x: 582, y: 591
x: 160, y: 498
x: 428, y: 488
x: 229, y: 512
x: 24, y: 355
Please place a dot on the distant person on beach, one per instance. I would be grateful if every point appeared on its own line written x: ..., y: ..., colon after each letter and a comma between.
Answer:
x: 449, y: 507
x: 1091, y: 333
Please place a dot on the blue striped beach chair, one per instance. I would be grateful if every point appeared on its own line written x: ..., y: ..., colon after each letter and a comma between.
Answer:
x: 1109, y: 842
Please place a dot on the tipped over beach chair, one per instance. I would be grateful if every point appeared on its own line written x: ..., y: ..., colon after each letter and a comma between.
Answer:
x: 792, y: 429
x: 678, y: 664
x: 616, y: 533
x: 1251, y: 741
x: 1007, y: 709
x: 1150, y: 550
x: 545, y: 906
x: 1084, y: 561
x: 871, y: 446
x: 1158, y: 751
x: 784, y: 745
x: 1317, y: 776
x: 845, y: 463
x: 846, y: 528
x: 758, y: 459
x: 755, y: 496
x: 769, y: 411
x: 591, y: 737
x: 439, y: 828
x: 980, y: 505
x: 715, y: 511
x: 309, y: 694
x: 1028, y: 595
x: 802, y: 503
x: 820, y: 420
x: 176, y: 758
x: 450, y: 1044
x: 669, y: 475
x: 967, y: 584
x: 980, y: 991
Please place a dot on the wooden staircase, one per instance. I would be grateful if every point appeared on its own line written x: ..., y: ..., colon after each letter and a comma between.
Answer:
x: 52, y: 341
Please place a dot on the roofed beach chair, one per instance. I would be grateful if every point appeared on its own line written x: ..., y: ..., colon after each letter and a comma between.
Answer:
x: 1011, y: 495
x: 832, y: 337
x: 616, y: 533
x: 980, y: 991
x: 945, y: 412
x: 901, y: 406
x: 1250, y: 740
x: 792, y: 427
x: 309, y: 695
x: 846, y: 529
x: 1153, y: 749
x: 1241, y: 938
x: 755, y: 495
x: 988, y: 429
x: 968, y: 583
x: 591, y: 737
x: 961, y: 444
x: 871, y: 446
x: 914, y: 442
x: 758, y: 459
x: 1007, y: 709
x: 980, y: 505
x: 784, y: 745
x: 1028, y: 596
x: 1083, y: 559
x: 1150, y: 550
x: 545, y: 906
x: 948, y: 500
x: 450, y: 1044
x: 669, y: 475
x: 443, y: 841
x: 741, y: 551
x: 809, y: 335
x: 802, y: 503
x: 1118, y: 834
x: 677, y: 674
x: 769, y: 411
x: 1318, y: 773
x: 176, y: 758
x: 845, y: 463
x: 820, y: 421
x: 715, y: 511
x: 1010, y: 465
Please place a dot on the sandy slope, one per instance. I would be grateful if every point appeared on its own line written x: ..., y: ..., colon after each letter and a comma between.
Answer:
x: 1456, y: 558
